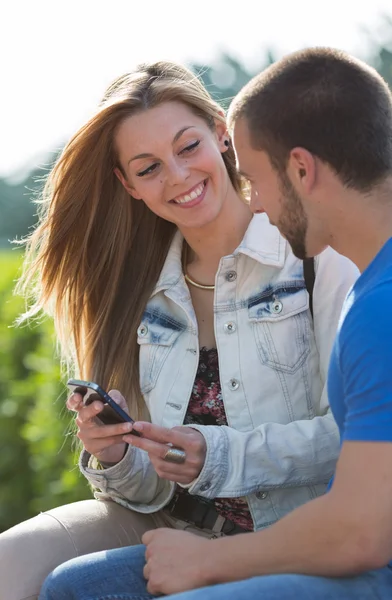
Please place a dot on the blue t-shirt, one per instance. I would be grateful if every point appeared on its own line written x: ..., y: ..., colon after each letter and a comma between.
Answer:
x: 360, y: 371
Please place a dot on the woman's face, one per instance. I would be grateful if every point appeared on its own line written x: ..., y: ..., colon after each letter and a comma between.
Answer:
x: 173, y: 162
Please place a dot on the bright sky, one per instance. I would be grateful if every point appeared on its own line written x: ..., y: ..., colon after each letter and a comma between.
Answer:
x: 57, y: 56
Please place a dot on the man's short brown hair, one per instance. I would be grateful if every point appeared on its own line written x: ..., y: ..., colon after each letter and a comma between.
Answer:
x: 328, y: 102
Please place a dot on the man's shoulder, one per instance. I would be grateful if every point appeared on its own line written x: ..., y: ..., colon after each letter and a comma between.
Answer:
x: 374, y: 295
x: 366, y: 319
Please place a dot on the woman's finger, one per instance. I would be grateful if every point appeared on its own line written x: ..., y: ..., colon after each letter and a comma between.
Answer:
x: 74, y: 402
x: 186, y: 438
x: 153, y: 448
x: 119, y: 399
x: 90, y: 411
x: 103, y: 431
x: 161, y: 435
x: 97, y: 447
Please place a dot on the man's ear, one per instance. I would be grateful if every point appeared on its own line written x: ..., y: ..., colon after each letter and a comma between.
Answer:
x: 131, y: 190
x: 302, y: 168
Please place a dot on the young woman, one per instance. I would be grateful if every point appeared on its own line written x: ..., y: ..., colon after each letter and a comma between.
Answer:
x: 164, y: 287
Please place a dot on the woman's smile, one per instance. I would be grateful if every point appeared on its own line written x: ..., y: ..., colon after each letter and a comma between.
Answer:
x: 192, y: 197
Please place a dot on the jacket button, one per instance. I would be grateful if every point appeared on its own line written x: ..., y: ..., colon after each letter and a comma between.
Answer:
x: 277, y: 307
x: 234, y: 384
x: 206, y: 486
x: 230, y: 327
x: 142, y: 331
x: 261, y: 495
x: 231, y: 276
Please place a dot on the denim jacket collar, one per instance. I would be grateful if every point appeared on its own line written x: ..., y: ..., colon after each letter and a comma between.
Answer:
x: 262, y: 242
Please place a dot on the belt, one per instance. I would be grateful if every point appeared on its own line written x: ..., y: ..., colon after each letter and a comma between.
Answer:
x: 202, y: 514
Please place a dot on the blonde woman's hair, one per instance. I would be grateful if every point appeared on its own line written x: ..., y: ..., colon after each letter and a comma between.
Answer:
x: 96, y: 254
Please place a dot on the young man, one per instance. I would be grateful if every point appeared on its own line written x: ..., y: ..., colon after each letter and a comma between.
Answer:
x: 313, y: 134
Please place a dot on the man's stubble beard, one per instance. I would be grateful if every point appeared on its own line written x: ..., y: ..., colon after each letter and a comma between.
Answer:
x: 293, y: 222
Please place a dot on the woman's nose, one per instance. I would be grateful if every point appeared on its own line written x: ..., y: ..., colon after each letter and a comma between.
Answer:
x: 177, y: 172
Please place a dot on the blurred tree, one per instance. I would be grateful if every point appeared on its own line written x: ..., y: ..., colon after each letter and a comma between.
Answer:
x: 37, y: 458
x: 16, y: 208
x: 227, y: 76
x: 380, y: 43
x: 383, y: 63
x: 17, y: 204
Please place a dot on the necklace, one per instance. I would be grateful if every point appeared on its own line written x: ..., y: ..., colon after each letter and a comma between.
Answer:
x: 200, y: 286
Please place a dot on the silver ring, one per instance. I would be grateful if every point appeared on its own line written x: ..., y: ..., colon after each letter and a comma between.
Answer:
x: 175, y: 455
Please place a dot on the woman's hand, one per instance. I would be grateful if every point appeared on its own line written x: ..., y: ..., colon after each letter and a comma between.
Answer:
x: 105, y: 442
x: 155, y: 440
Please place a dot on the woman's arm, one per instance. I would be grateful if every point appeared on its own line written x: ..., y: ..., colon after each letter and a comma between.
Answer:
x: 132, y: 482
x: 116, y: 471
x: 299, y: 453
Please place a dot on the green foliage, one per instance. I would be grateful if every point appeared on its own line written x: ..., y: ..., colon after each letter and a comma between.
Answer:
x: 37, y: 453
x: 17, y: 208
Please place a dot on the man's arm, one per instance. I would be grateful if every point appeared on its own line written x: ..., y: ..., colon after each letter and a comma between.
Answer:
x: 344, y: 532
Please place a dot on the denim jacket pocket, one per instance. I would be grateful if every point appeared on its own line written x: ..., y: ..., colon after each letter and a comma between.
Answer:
x: 156, y: 335
x: 280, y: 319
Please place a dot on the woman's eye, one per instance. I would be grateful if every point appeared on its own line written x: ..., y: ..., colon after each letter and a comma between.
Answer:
x: 153, y: 167
x: 191, y: 147
x: 147, y: 171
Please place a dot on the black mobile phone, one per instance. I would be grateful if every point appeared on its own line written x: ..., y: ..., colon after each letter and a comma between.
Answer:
x: 112, y: 413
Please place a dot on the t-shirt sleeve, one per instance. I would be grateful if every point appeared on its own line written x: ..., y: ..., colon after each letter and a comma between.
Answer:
x: 366, y: 365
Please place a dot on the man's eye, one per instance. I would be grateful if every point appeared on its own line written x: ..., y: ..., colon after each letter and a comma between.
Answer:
x: 147, y: 171
x: 190, y: 147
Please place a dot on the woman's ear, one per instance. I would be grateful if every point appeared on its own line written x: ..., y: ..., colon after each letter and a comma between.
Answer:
x: 222, y: 135
x: 123, y: 180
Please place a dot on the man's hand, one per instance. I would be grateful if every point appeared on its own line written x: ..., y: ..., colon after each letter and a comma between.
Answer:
x: 155, y: 440
x: 176, y: 561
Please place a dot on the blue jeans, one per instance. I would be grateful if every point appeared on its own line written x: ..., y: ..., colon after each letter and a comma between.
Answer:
x: 118, y: 575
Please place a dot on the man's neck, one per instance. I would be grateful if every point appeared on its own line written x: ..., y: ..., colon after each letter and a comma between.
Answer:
x: 361, y: 228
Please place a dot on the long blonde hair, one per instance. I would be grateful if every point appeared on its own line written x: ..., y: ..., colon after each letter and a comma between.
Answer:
x: 96, y: 254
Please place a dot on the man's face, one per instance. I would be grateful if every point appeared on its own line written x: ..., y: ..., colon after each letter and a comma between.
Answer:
x: 271, y: 192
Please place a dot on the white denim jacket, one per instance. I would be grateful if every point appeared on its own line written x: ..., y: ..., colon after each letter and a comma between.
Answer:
x: 281, y: 444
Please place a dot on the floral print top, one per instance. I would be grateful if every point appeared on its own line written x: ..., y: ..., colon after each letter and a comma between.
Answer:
x: 206, y: 408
